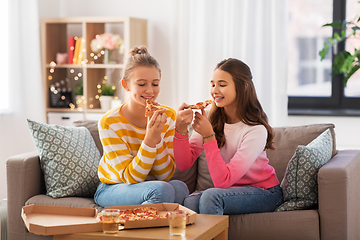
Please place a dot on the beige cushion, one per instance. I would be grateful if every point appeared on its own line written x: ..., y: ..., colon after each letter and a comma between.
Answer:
x: 188, y: 176
x: 92, y: 126
x: 67, y: 201
x: 204, y: 180
x: 288, y: 138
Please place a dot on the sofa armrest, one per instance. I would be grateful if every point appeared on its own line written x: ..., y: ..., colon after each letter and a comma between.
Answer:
x: 24, y: 180
x: 339, y: 193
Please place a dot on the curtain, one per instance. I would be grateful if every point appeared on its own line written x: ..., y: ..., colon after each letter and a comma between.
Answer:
x: 26, y: 92
x: 253, y: 31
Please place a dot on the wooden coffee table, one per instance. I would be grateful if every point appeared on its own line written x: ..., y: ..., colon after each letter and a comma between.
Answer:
x: 205, y: 227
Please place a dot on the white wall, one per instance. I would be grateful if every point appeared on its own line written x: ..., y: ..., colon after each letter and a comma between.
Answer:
x: 14, y: 135
x: 347, y: 129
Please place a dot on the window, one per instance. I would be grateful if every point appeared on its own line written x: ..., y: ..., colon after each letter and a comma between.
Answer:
x: 311, y: 87
x: 4, y: 66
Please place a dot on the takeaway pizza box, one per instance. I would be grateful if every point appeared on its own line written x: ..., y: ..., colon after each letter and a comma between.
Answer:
x: 53, y: 220
x: 163, y: 209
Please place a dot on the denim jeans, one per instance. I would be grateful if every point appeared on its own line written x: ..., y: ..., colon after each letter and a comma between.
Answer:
x: 235, y: 200
x: 146, y: 192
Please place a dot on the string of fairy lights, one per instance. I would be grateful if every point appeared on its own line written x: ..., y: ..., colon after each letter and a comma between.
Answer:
x: 64, y: 85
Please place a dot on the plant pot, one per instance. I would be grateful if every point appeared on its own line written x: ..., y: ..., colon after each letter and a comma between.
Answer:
x: 115, y: 103
x: 105, y: 102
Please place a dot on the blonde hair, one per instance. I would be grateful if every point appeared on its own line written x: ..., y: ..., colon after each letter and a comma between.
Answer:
x: 139, y: 56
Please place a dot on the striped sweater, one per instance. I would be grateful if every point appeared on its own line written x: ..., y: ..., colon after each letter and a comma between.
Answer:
x: 126, y: 158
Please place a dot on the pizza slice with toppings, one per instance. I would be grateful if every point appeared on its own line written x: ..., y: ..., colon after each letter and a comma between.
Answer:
x: 201, y: 105
x: 145, y: 211
x: 152, y: 107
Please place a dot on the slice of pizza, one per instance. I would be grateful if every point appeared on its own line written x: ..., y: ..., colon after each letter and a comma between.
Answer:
x: 152, y: 107
x: 145, y: 211
x: 201, y: 105
x: 128, y: 217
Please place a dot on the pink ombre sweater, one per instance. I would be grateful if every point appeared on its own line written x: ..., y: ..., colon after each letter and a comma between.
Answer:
x: 242, y: 161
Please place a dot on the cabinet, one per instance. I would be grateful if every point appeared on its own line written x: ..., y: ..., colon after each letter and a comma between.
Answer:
x: 60, y: 79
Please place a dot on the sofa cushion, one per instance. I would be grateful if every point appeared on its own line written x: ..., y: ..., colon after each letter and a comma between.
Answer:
x: 83, y: 202
x: 275, y: 225
x: 204, y: 180
x: 287, y: 139
x: 300, y: 185
x: 69, y: 159
x: 92, y: 126
x: 188, y: 176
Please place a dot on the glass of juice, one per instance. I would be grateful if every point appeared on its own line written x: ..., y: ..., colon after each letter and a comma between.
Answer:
x: 110, y: 219
x: 177, y: 223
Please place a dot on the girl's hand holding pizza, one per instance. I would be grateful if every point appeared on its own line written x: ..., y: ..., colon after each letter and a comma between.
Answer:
x: 154, y: 128
x: 184, y: 118
x: 202, y: 125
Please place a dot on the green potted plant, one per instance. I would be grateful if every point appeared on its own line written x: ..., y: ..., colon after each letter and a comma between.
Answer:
x: 108, y: 90
x: 107, y: 95
x: 345, y: 63
x: 79, y: 94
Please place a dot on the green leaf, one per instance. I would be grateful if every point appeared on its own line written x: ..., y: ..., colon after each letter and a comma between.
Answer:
x: 351, y: 72
x: 340, y: 64
x: 108, y: 90
x: 337, y: 24
x: 343, y: 34
x: 337, y: 36
x: 322, y: 53
x: 357, y: 53
x: 346, y: 64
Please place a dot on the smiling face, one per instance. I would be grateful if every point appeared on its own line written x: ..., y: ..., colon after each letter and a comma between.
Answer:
x: 223, y: 89
x: 143, y: 84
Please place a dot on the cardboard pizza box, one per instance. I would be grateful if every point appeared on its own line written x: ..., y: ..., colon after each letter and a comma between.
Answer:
x: 163, y: 209
x: 52, y: 220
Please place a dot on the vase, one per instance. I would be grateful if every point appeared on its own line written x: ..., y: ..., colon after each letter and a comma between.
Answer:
x: 105, y: 102
x: 109, y: 56
x: 115, y: 103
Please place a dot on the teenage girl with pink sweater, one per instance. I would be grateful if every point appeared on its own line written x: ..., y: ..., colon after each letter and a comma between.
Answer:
x: 234, y: 137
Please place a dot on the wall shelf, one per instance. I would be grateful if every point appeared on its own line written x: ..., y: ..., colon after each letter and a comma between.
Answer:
x: 59, y: 80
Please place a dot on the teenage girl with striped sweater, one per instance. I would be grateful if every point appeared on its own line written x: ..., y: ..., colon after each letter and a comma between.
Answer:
x: 138, y: 159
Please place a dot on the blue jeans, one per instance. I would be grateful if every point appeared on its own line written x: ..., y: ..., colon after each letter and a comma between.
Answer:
x: 235, y: 200
x: 146, y: 192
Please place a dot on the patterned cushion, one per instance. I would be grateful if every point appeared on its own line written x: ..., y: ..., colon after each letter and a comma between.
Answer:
x: 300, y: 187
x: 69, y: 159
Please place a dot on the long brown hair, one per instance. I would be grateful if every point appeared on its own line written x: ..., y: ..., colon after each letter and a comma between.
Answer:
x: 248, y: 109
